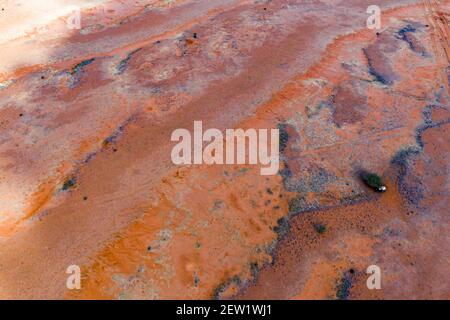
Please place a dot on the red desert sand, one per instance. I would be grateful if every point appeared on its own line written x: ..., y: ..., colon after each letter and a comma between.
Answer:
x: 86, y: 176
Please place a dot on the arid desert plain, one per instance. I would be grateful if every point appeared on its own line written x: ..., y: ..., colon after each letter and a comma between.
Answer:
x: 91, y: 92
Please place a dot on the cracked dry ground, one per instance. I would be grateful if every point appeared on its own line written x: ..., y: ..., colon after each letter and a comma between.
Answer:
x: 85, y: 171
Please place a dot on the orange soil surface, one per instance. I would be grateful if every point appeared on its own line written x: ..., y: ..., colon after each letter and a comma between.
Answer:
x: 86, y: 176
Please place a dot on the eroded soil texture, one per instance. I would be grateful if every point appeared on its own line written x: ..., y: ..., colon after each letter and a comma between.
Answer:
x: 86, y: 176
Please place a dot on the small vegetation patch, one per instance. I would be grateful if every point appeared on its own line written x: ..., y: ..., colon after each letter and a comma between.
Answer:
x: 77, y: 68
x: 345, y: 284
x: 284, y: 137
x: 224, y: 286
x: 320, y: 228
x: 282, y: 228
x: 343, y: 287
x: 69, y: 184
x: 374, y: 181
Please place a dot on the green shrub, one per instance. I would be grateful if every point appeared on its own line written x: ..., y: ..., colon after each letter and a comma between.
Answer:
x: 320, y: 228
x: 68, y: 184
x: 374, y: 181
